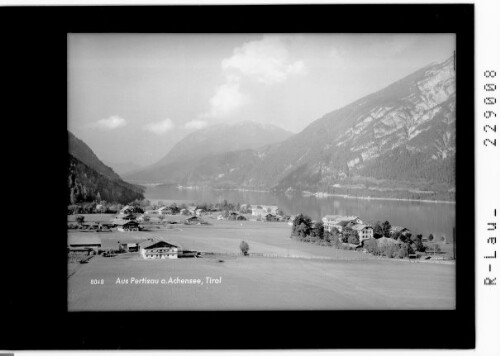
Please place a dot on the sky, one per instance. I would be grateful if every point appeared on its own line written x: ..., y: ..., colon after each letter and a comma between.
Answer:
x: 131, y: 97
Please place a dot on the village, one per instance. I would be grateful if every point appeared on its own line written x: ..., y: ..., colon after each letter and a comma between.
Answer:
x: 345, y: 232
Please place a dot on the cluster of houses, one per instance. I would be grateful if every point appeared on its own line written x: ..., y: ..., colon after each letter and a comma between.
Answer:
x: 362, y: 230
x: 132, y: 218
x: 148, y: 249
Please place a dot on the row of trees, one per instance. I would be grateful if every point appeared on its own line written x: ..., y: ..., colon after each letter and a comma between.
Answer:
x: 304, y: 229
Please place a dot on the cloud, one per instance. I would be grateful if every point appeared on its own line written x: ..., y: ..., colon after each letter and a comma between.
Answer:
x: 227, y: 99
x: 266, y: 61
x: 196, y: 125
x: 159, y: 127
x: 111, y: 123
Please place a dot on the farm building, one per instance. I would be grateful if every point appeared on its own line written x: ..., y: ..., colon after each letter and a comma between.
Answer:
x: 127, y: 209
x: 199, y: 212
x: 339, y: 222
x: 129, y: 216
x: 126, y: 225
x: 236, y: 216
x: 84, y: 242
x: 271, y: 217
x: 193, y: 220
x: 158, y: 250
x: 129, y: 247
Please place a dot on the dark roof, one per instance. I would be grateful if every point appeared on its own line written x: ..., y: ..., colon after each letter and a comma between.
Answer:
x: 121, y: 222
x: 155, y: 244
x: 123, y: 216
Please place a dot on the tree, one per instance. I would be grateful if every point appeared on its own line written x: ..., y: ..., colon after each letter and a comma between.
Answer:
x: 431, y: 237
x: 318, y: 230
x: 146, y: 218
x: 244, y: 248
x: 302, y: 230
x: 378, y: 232
x: 397, y: 235
x: 417, y: 243
x: 174, y: 208
x: 80, y: 219
x: 386, y: 229
x: 349, y: 234
x: 353, y: 239
x: 301, y: 225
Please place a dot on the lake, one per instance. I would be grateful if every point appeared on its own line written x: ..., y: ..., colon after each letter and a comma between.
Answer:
x: 420, y: 217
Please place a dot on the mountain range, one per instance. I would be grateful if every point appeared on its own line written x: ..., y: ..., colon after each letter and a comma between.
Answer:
x: 220, y: 142
x: 89, y: 179
x: 400, y: 138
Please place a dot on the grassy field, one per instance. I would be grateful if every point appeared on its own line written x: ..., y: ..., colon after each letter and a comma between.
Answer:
x: 348, y: 280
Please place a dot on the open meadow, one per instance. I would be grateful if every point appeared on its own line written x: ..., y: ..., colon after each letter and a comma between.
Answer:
x: 305, y: 276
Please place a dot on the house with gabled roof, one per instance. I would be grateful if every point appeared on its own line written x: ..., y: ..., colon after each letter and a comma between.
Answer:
x: 363, y: 231
x: 126, y: 209
x: 158, y: 250
x: 126, y: 225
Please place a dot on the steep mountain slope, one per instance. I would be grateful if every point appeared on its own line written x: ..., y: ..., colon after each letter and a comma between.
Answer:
x: 399, y: 138
x: 413, y: 118
x: 88, y: 177
x: 217, y: 139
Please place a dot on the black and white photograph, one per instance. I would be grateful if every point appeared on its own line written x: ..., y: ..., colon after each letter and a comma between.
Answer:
x: 214, y: 172
x: 253, y: 177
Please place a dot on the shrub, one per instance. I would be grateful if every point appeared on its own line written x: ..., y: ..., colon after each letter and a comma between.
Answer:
x: 390, y: 250
x: 80, y: 219
x: 352, y: 239
x: 244, y: 248
x: 371, y: 246
x: 417, y: 243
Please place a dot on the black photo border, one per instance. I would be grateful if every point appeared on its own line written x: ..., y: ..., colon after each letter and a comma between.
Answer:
x: 35, y: 46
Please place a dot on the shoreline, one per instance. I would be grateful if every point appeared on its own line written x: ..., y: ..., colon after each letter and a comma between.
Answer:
x: 326, y: 195
x: 318, y: 195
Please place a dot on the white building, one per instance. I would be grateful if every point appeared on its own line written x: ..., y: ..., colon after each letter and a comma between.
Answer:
x: 339, y: 221
x: 263, y: 210
x: 158, y: 250
x: 364, y: 231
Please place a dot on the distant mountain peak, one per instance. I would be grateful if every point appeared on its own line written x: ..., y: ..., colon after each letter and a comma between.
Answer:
x: 223, y: 138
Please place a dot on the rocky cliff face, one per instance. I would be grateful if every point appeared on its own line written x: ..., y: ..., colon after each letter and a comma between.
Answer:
x: 413, y: 119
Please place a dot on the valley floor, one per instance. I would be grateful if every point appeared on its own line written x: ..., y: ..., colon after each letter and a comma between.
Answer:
x: 317, y: 278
